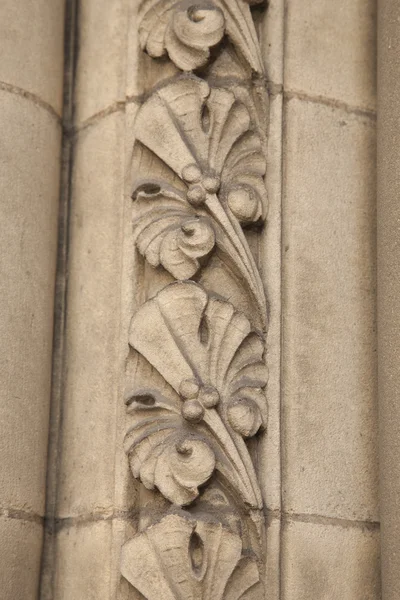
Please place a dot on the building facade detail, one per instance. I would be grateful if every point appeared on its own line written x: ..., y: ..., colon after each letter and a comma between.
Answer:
x: 197, y: 399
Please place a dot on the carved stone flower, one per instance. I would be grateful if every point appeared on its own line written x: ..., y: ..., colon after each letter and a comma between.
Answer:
x: 203, y: 142
x: 179, y: 557
x: 212, y: 364
x: 187, y: 29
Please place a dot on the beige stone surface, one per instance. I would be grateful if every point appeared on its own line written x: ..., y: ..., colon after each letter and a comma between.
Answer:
x: 329, y: 369
x: 101, y: 68
x: 21, y: 545
x: 273, y: 558
x: 29, y: 181
x: 272, y: 32
x: 329, y: 406
x: 388, y: 209
x: 330, y: 50
x: 31, y: 47
x: 270, y: 267
x: 330, y: 562
x: 83, y: 566
x: 92, y: 387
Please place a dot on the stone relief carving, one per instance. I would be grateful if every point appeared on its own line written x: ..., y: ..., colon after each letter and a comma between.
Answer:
x: 197, y: 395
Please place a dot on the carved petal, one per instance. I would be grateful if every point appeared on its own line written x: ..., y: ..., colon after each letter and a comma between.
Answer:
x: 188, y: 29
x: 188, y: 337
x: 162, y: 452
x: 243, y: 179
x: 168, y: 232
x: 180, y: 559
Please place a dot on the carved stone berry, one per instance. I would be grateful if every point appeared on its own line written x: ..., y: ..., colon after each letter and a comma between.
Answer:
x: 191, y: 173
x: 189, y: 388
x: 209, y: 396
x: 211, y: 184
x: 192, y: 411
x: 196, y: 195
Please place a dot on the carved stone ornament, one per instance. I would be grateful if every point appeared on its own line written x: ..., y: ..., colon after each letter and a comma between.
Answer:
x: 196, y: 394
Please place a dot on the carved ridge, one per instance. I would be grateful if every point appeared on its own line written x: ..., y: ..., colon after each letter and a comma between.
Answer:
x: 198, y: 390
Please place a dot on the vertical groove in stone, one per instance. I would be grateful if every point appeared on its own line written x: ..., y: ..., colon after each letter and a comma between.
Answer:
x: 58, y: 363
x: 281, y: 421
x: 389, y: 290
x: 272, y: 44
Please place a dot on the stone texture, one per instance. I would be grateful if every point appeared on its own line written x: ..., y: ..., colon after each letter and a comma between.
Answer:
x: 101, y: 72
x: 330, y: 50
x: 389, y: 291
x: 272, y: 42
x: 329, y: 369
x: 330, y: 562
x: 273, y: 558
x: 21, y: 545
x: 31, y: 47
x: 92, y: 387
x: 83, y: 566
x: 29, y: 179
x: 329, y: 412
x: 270, y: 266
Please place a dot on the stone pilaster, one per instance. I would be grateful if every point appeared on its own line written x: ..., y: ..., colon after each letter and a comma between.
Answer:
x: 31, y: 76
x: 389, y: 289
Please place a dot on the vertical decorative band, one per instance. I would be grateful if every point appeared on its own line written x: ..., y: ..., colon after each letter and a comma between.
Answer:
x: 198, y: 338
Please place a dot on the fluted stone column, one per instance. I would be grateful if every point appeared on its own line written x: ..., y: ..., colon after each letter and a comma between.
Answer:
x: 389, y: 289
x: 31, y: 76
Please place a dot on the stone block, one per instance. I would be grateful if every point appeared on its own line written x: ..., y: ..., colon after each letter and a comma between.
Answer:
x: 83, y: 561
x: 330, y: 50
x: 329, y: 334
x: 32, y: 48
x: 101, y: 68
x: 93, y: 381
x: 21, y: 546
x: 29, y: 180
x: 330, y: 562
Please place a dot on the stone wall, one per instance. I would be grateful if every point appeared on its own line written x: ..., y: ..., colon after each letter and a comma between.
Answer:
x: 318, y: 460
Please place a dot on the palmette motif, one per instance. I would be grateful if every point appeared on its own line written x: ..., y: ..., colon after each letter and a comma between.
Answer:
x: 154, y: 560
x: 198, y: 393
x: 217, y: 377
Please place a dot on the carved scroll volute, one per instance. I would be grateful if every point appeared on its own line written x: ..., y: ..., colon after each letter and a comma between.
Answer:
x: 198, y: 340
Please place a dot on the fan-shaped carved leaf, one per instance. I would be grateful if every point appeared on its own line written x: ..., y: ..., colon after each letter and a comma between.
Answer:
x: 204, y: 135
x: 187, y: 29
x: 181, y: 559
x: 209, y: 355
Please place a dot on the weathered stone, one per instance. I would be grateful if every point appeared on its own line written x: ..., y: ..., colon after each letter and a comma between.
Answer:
x: 331, y: 51
x: 333, y: 562
x: 329, y: 331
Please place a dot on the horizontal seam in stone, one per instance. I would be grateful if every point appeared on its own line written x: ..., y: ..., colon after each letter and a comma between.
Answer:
x: 331, y: 102
x: 95, y: 517
x: 21, y: 515
x: 273, y: 88
x: 96, y: 118
x: 335, y: 521
x: 88, y: 518
x: 13, y: 89
x: 270, y: 515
